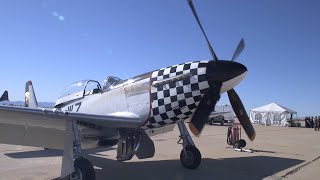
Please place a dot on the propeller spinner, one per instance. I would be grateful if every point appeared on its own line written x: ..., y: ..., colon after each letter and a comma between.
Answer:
x: 219, y: 73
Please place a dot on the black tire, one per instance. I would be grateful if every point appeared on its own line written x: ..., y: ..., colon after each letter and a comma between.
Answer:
x: 240, y: 144
x: 194, y: 157
x: 84, y: 169
x: 222, y: 123
x: 211, y: 121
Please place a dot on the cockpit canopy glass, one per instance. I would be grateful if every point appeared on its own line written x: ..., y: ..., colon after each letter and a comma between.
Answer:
x: 84, y: 87
x: 110, y: 82
x: 92, y: 87
x: 74, y: 88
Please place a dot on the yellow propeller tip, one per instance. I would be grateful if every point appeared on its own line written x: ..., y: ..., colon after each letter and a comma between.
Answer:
x: 193, y: 129
x: 253, y: 136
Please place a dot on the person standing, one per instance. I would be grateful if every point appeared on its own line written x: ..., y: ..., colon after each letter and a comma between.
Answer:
x: 317, y: 123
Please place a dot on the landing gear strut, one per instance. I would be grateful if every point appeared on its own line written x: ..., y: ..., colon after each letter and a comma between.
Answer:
x: 83, y: 168
x: 190, y: 156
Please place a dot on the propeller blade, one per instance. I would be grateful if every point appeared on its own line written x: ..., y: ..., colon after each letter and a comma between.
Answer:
x: 206, y: 106
x: 196, y: 16
x: 239, y: 49
x: 241, y: 114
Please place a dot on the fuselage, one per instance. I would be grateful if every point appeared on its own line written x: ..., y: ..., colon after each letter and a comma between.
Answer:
x: 162, y: 97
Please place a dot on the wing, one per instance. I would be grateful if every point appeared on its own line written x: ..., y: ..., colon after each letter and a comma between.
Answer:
x: 46, y: 127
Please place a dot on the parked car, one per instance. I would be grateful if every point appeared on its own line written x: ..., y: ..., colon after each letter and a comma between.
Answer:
x: 216, y: 119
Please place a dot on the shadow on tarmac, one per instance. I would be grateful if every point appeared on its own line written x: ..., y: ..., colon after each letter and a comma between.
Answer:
x: 256, y: 167
x: 49, y: 153
x: 35, y: 154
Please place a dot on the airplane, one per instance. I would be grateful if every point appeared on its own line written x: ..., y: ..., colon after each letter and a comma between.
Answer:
x: 127, y: 112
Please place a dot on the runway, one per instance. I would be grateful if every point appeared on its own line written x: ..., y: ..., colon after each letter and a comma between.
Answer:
x: 280, y: 153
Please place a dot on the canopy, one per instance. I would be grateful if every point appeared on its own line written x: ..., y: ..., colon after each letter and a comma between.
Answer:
x: 271, y: 114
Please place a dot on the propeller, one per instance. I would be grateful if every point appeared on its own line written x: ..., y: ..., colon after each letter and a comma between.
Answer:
x: 239, y: 49
x: 217, y: 73
x: 209, y: 45
x: 205, y: 107
x: 241, y: 114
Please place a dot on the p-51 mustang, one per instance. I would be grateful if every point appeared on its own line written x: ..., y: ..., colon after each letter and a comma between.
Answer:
x: 127, y: 112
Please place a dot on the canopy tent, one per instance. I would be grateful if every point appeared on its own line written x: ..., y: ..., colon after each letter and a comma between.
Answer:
x: 271, y: 115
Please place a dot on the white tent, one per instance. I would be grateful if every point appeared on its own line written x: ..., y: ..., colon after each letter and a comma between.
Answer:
x: 271, y: 115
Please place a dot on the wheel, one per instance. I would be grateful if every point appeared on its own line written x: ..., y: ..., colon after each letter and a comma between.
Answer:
x: 193, y: 158
x: 84, y: 170
x: 211, y: 122
x: 240, y: 144
x: 222, y: 123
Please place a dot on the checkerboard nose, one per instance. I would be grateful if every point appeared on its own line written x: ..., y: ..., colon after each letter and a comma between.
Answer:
x: 222, y: 71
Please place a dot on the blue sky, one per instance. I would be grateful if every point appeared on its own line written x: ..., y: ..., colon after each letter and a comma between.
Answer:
x: 56, y: 42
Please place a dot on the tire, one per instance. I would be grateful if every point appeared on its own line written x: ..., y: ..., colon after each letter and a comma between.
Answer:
x: 211, y: 122
x: 240, y: 144
x: 84, y: 170
x: 222, y: 123
x: 194, y: 157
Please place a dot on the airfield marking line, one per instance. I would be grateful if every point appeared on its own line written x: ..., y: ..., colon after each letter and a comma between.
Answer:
x: 299, y: 167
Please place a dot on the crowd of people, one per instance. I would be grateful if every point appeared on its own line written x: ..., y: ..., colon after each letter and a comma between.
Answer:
x: 313, y: 122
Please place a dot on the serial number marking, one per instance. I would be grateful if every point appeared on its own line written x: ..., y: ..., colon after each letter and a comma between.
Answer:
x: 70, y: 108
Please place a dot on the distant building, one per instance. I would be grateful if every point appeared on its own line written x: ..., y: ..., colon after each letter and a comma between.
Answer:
x: 226, y: 108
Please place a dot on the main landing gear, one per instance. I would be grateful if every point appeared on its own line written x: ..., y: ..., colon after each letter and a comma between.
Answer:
x: 83, y: 168
x: 190, y: 156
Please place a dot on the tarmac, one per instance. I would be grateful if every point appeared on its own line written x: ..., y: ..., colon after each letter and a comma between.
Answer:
x: 279, y: 153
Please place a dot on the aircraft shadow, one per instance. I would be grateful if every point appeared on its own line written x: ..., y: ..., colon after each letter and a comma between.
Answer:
x: 254, y: 167
x: 35, y: 154
x: 49, y: 153
x: 247, y: 168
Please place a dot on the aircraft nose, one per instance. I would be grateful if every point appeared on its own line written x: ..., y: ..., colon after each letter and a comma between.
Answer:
x: 223, y: 71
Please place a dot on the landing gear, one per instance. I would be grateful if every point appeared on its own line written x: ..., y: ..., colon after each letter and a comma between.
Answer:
x: 190, y: 156
x: 83, y: 168
x: 128, y: 144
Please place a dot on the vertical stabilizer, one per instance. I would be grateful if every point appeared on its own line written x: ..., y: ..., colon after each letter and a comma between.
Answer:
x: 5, y: 96
x: 30, y: 97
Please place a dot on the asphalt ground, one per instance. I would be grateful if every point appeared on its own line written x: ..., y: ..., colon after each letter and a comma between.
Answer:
x: 279, y: 153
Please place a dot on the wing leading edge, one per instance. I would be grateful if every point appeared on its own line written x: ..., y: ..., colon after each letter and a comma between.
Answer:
x: 46, y: 127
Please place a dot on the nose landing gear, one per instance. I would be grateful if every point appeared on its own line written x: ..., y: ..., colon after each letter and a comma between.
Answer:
x: 190, y: 156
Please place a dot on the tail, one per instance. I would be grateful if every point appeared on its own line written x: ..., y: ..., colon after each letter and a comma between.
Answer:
x: 5, y: 96
x: 30, y: 97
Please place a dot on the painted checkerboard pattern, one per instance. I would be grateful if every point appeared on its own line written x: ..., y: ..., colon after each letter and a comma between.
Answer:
x: 176, y: 101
